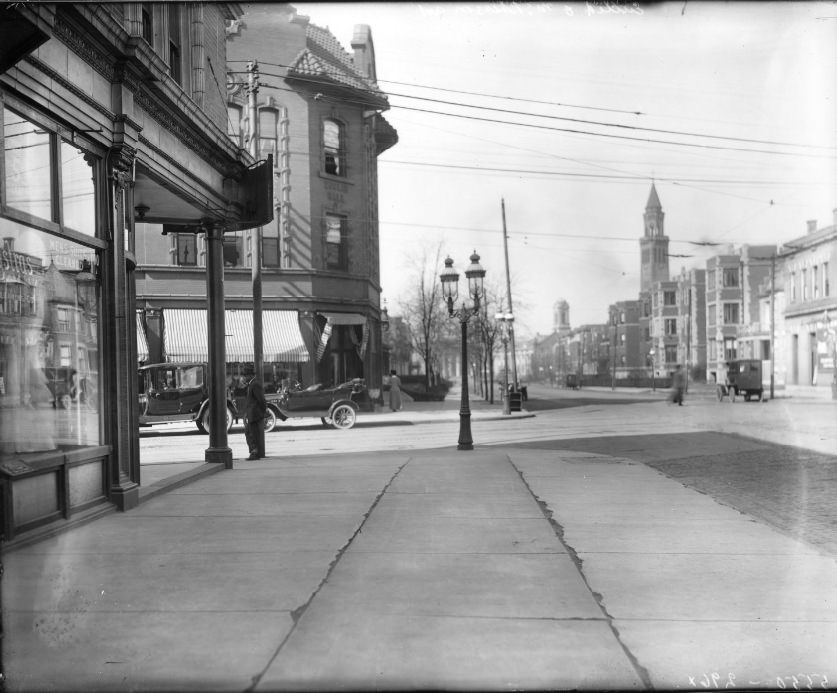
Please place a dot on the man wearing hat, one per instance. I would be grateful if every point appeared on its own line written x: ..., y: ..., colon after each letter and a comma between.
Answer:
x: 255, y: 410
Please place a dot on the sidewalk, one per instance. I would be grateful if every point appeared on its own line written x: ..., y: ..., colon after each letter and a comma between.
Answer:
x: 495, y: 569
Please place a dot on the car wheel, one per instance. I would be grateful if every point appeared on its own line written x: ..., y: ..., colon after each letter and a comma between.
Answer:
x: 270, y: 420
x: 326, y: 421
x: 732, y: 394
x: 206, y: 424
x: 343, y: 416
x: 746, y: 396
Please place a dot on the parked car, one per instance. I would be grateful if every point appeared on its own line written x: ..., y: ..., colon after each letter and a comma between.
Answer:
x: 743, y: 377
x: 573, y: 382
x: 171, y: 392
x: 336, y: 406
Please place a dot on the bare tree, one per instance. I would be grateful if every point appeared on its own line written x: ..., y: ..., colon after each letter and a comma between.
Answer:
x: 423, y: 311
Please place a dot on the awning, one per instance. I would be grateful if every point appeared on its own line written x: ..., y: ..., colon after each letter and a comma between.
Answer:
x: 344, y: 318
x: 333, y: 319
x: 142, y: 342
x: 184, y: 335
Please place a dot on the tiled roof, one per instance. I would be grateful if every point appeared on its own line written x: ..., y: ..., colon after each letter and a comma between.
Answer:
x: 324, y: 58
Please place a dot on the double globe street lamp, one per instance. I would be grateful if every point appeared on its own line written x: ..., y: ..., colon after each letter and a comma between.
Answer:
x: 450, y: 292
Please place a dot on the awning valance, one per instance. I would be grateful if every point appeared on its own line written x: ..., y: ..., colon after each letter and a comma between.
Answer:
x: 142, y: 342
x: 185, y: 335
x: 344, y: 318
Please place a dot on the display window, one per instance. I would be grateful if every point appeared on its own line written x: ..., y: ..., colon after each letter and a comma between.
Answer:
x: 50, y: 397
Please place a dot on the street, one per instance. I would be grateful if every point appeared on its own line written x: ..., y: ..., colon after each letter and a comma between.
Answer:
x: 773, y: 461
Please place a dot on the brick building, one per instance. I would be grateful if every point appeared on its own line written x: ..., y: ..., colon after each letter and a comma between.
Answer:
x: 320, y: 118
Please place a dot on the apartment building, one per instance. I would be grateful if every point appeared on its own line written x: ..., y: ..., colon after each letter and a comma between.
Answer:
x: 732, y: 301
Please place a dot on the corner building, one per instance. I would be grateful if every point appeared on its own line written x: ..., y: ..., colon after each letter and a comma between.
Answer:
x: 319, y: 117
x: 102, y: 106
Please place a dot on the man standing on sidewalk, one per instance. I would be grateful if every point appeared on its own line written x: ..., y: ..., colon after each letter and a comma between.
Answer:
x: 255, y: 410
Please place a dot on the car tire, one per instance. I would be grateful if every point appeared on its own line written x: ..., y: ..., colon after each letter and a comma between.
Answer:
x: 205, y: 424
x: 343, y: 416
x: 270, y: 420
x: 732, y: 394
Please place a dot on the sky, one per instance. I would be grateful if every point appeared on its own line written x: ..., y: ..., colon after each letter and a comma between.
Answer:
x: 567, y: 112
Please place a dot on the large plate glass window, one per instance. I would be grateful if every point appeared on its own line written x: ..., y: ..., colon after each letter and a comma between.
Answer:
x: 49, y: 348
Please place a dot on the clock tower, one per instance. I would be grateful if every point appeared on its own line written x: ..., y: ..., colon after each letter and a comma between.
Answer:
x: 654, y: 244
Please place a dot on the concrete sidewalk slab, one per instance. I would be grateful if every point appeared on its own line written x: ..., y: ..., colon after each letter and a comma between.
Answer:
x: 694, y: 587
x: 414, y: 587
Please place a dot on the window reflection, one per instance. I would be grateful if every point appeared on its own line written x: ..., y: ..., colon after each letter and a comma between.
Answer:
x: 28, y: 173
x: 78, y: 192
x: 49, y: 353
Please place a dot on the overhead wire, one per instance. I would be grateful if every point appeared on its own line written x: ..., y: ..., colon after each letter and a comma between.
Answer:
x: 575, y: 120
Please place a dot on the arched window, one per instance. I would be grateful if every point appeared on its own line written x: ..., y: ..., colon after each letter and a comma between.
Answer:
x: 333, y: 156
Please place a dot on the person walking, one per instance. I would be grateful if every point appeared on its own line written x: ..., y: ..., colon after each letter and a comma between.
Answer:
x: 678, y: 385
x: 394, y: 391
x: 255, y: 410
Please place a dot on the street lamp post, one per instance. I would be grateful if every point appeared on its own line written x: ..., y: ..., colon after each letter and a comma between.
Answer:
x: 653, y: 374
x: 505, y: 320
x: 450, y: 292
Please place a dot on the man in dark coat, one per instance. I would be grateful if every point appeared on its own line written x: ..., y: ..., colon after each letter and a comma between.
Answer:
x: 255, y: 410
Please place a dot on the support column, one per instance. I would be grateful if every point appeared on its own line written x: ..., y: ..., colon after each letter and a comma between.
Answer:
x: 119, y: 356
x: 218, y: 450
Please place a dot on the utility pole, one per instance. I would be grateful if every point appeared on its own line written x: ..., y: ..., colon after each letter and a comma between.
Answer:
x: 508, y: 292
x: 256, y: 242
x: 772, y: 322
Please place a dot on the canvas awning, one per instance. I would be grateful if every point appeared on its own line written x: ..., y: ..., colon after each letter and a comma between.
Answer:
x: 333, y: 319
x: 184, y: 335
x: 142, y: 342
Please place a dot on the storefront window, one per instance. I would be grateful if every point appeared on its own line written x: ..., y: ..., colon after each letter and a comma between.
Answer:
x: 78, y: 191
x: 28, y: 174
x: 49, y: 371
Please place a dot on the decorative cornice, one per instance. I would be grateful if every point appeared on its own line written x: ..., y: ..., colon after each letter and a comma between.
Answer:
x: 80, y: 44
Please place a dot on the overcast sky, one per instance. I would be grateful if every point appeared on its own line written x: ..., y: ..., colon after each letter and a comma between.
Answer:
x: 697, y: 73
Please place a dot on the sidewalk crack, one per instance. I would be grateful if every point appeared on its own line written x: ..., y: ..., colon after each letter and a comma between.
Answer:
x: 297, y: 613
x: 641, y: 671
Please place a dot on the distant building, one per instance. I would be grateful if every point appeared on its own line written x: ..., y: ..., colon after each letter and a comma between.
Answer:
x: 653, y: 244
x: 809, y: 275
x: 732, y: 301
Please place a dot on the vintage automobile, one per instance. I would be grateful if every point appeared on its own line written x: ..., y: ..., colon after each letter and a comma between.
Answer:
x: 170, y: 392
x: 335, y: 406
x: 743, y: 377
x: 573, y: 382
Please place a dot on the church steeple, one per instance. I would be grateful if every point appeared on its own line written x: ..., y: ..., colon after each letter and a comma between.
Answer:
x: 654, y: 217
x: 653, y: 244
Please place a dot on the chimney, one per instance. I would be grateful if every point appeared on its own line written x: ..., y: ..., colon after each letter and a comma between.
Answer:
x: 812, y: 225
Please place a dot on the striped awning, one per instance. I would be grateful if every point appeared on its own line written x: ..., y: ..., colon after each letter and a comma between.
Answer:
x: 142, y: 342
x: 184, y: 335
